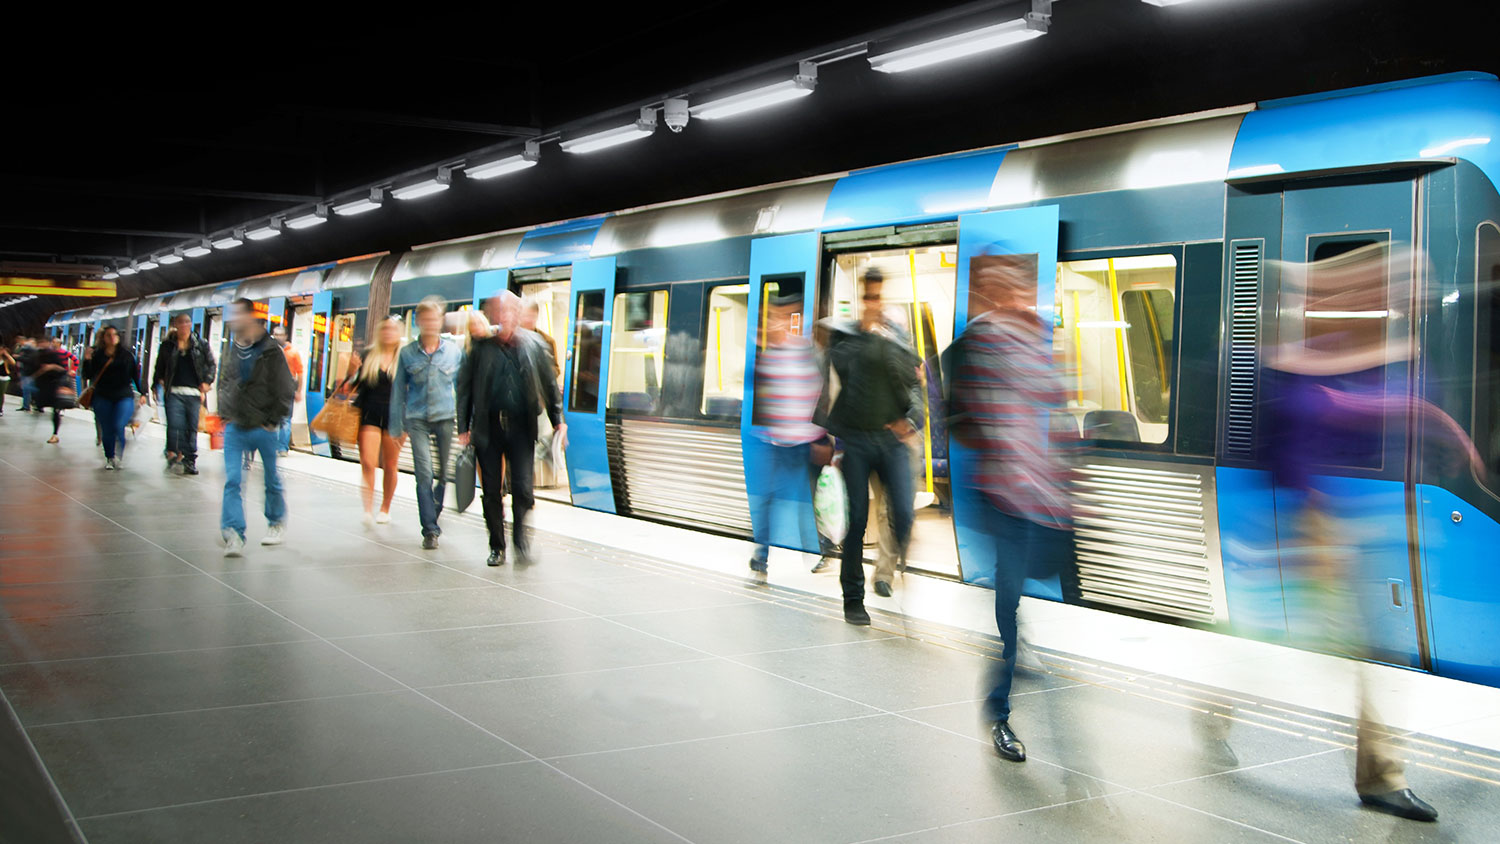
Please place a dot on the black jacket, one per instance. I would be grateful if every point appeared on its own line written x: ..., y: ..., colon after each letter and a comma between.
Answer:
x: 116, y: 379
x: 475, y: 378
x: 878, y: 381
x: 263, y: 400
x: 199, y: 353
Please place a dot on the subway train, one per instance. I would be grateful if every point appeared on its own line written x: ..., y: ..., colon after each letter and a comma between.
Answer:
x: 1166, y: 239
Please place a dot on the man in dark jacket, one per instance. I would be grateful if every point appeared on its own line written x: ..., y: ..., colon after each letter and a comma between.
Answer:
x: 505, y: 383
x: 255, y: 394
x: 184, y: 371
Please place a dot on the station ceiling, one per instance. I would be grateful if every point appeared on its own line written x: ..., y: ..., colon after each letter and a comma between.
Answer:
x: 151, y: 137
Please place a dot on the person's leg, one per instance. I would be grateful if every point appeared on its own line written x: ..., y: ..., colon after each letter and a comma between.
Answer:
x: 1012, y: 549
x: 369, y: 459
x: 856, y: 469
x: 489, y: 460
x: 894, y: 466
x: 266, y: 444
x: 763, y: 504
x: 124, y: 411
x: 192, y: 407
x: 232, y: 513
x: 421, y: 466
x: 390, y: 453
x: 442, y: 434
x: 521, y: 455
x: 885, y: 536
x: 26, y: 391
x: 173, y: 407
x: 99, y: 411
x: 56, y: 419
x: 284, y: 435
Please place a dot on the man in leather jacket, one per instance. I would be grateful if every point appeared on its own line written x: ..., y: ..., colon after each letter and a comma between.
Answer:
x: 184, y: 371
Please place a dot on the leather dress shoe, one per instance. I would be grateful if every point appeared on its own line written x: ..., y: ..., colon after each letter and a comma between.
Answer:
x: 1007, y: 745
x: 882, y: 589
x: 1402, y: 804
x: 521, y: 555
x: 854, y: 613
x: 495, y: 558
x: 429, y: 542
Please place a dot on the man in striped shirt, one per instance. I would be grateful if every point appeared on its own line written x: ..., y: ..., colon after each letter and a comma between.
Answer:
x: 788, y: 383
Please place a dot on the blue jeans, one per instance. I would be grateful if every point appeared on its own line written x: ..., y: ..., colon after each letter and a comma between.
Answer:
x: 182, y: 425
x: 431, y: 481
x: 284, y: 435
x: 1023, y: 549
x: 111, y: 415
x: 238, y: 442
x: 790, y: 480
x: 879, y: 453
x: 28, y: 390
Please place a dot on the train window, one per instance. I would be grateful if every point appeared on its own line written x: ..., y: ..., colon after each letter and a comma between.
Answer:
x: 726, y: 328
x: 637, y: 354
x: 315, y: 355
x: 1487, y: 354
x: 588, y: 352
x: 1115, y: 325
x: 777, y: 287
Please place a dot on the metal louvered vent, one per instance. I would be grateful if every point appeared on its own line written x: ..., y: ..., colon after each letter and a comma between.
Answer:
x: 1147, y: 540
x: 1244, y: 351
x: 685, y: 474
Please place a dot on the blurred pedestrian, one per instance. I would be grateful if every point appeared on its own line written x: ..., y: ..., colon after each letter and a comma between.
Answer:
x: 52, y: 381
x: 28, y: 355
x: 424, y: 405
x: 503, y: 386
x: 9, y: 370
x: 294, y: 364
x: 378, y: 450
x: 530, y: 313
x: 184, y: 373
x: 1005, y: 398
x: 255, y: 394
x: 115, y: 378
x: 875, y: 416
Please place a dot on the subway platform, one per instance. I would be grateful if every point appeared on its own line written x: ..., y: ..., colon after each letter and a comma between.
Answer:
x: 631, y: 685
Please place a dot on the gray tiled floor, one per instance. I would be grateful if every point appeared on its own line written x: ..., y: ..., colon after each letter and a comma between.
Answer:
x: 351, y: 687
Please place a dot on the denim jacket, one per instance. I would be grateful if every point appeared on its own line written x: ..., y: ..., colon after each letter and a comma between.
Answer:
x: 423, y: 386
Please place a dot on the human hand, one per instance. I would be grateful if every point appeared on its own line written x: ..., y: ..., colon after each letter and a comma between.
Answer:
x: 560, y: 436
x: 463, y: 440
x: 903, y: 429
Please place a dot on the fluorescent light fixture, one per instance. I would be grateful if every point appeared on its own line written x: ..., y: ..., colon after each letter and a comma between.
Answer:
x: 147, y: 264
x: 360, y: 206
x: 109, y: 275
x: 1167, y: 2
x: 197, y: 250
x: 504, y: 166
x: 426, y: 187
x: 1347, y: 314
x: 960, y: 46
x: 229, y: 241
x: 170, y: 258
x: 1445, y: 148
x: 127, y: 271
x: 641, y: 128
x: 780, y: 92
x: 316, y: 217
x: 266, y: 232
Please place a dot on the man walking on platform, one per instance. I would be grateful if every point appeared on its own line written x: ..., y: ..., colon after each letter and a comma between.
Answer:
x: 255, y: 394
x: 503, y: 386
x: 423, y: 404
x: 184, y: 371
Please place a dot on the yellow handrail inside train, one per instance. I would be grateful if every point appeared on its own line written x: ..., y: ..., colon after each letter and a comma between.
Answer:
x: 1077, y: 351
x: 916, y: 311
x: 1114, y: 300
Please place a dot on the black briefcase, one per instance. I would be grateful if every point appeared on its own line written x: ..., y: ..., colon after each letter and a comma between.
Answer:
x: 463, y: 478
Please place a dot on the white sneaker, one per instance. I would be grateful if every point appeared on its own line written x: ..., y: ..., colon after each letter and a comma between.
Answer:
x: 118, y: 463
x: 368, y: 520
x: 109, y: 463
x: 234, y: 544
x: 383, y: 519
x: 274, y: 536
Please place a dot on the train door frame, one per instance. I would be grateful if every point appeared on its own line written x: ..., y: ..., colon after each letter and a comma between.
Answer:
x: 589, y: 480
x: 320, y: 354
x: 519, y: 279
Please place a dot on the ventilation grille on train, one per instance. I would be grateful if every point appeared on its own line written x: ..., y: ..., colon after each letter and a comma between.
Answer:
x: 1244, y: 338
x: 1143, y: 542
x: 690, y: 475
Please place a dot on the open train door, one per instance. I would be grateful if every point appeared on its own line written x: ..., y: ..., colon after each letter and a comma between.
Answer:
x: 1028, y: 234
x: 585, y: 383
x: 315, y: 365
x: 779, y: 266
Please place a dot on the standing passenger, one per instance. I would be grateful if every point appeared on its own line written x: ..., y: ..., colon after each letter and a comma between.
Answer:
x: 28, y: 355
x: 116, y: 379
x: 184, y: 372
x: 377, y: 448
x: 51, y: 377
x: 503, y: 386
x: 529, y: 316
x: 423, y: 404
x: 293, y: 364
x: 877, y: 413
x: 255, y: 393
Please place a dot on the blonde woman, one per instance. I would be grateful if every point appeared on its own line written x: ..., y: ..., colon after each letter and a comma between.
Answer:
x: 377, y: 448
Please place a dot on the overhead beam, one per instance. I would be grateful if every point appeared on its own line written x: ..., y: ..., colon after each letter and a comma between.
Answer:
x: 100, y: 230
x: 418, y: 122
x: 102, y: 188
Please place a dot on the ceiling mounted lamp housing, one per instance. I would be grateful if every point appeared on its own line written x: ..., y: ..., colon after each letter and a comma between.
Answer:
x: 229, y: 241
x: 643, y: 127
x: 505, y: 166
x: 266, y: 232
x: 316, y: 217
x: 765, y: 96
x: 965, y: 44
x: 197, y: 250
x: 173, y: 257
x: 427, y: 187
x: 360, y: 206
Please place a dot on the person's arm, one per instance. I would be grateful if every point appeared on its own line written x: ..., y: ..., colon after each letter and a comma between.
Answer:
x: 551, y: 396
x: 159, y: 369
x: 208, y: 357
x: 281, y: 387
x: 135, y: 379
x: 464, y: 396
x: 398, y: 396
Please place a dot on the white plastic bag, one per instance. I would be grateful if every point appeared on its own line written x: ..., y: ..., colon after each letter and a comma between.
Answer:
x: 831, y: 504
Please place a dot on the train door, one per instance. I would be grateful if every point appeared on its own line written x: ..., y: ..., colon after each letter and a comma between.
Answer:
x: 218, y: 342
x: 1345, y: 293
x: 585, y: 382
x: 920, y: 268
x: 316, y: 364
x: 547, y: 289
x: 299, y: 332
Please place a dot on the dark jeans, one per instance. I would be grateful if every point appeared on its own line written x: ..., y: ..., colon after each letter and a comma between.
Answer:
x: 182, y: 425
x: 518, y: 449
x: 790, y: 482
x: 431, y: 479
x: 879, y: 453
x: 111, y: 416
x: 1023, y: 549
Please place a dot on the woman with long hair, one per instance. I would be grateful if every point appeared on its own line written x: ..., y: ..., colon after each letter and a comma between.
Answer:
x: 377, y: 448
x: 115, y: 377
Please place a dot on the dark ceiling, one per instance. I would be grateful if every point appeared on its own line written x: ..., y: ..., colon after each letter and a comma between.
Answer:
x: 112, y: 154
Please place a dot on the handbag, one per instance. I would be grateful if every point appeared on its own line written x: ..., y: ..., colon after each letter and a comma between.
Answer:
x: 831, y: 504
x: 338, y: 420
x: 86, y: 398
x: 463, y: 478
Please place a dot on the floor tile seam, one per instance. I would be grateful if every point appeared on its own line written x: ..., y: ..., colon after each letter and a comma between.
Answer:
x: 355, y: 596
x: 167, y: 807
x: 35, y: 758
x: 1239, y: 769
x: 51, y: 616
x: 662, y: 611
x: 461, y: 627
x: 720, y: 737
x: 135, y: 716
x: 819, y: 646
x: 390, y: 676
x: 1216, y: 816
x: 83, y: 580
x: 986, y: 819
x: 210, y: 648
x: 562, y: 674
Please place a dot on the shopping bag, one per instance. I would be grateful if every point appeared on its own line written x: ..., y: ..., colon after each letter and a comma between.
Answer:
x: 463, y: 478
x: 215, y: 426
x: 338, y: 420
x: 65, y: 398
x: 831, y: 504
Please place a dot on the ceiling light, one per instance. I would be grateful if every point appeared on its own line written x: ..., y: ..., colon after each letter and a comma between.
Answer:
x: 110, y: 275
x: 641, y: 128
x: 789, y: 89
x: 170, y: 258
x: 315, y: 217
x: 1167, y: 2
x: 961, y: 45
x: 503, y: 166
x: 229, y: 241
x: 427, y: 187
x: 360, y: 206
x: 147, y: 264
x: 127, y: 271
x: 197, y: 250
x: 269, y: 230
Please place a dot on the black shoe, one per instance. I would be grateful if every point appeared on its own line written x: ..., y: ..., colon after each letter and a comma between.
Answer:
x: 1402, y: 804
x: 1006, y: 744
x: 854, y: 613
x: 496, y: 558
x: 882, y: 589
x: 1220, y: 754
x: 189, y: 468
x: 429, y: 542
x: 820, y: 565
x: 758, y: 565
